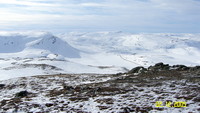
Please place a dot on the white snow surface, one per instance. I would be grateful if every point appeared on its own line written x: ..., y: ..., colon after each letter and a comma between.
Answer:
x: 98, y: 52
x: 130, y: 50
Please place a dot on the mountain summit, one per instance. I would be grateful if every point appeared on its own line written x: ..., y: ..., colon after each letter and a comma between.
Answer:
x: 39, y: 41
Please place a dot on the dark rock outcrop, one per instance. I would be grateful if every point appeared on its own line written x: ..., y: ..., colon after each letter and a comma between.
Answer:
x: 196, y: 68
x: 159, y: 66
x: 2, y: 85
x: 22, y: 94
x: 49, y: 104
x: 139, y: 69
x: 180, y: 67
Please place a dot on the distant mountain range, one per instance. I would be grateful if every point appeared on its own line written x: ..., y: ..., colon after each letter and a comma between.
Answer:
x: 97, y: 52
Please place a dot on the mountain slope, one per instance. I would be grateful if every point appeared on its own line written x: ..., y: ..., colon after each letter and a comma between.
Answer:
x: 18, y: 42
x: 56, y: 46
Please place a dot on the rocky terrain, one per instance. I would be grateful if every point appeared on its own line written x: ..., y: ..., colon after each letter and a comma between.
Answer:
x: 136, y: 91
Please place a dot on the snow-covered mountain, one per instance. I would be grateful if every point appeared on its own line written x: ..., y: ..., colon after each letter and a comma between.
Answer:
x: 41, y: 41
x: 33, y: 53
x: 127, y: 43
x: 138, y: 49
x: 36, y: 53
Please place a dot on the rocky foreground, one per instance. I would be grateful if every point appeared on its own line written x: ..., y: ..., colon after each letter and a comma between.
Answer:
x: 135, y: 91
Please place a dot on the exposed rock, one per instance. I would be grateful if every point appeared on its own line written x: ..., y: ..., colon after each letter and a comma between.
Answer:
x: 103, y: 107
x: 79, y: 99
x: 2, y: 85
x: 105, y: 100
x: 3, y: 102
x: 127, y: 110
x: 197, y: 99
x: 172, y: 85
x: 159, y: 66
x: 180, y: 67
x: 21, y: 94
x: 196, y: 68
x: 49, y: 104
x: 120, y: 93
x: 139, y: 69
x: 69, y: 88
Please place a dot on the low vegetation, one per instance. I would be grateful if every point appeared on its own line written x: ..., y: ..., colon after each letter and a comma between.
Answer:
x: 135, y: 91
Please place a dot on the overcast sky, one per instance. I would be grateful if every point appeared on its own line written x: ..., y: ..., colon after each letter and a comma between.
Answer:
x: 146, y: 16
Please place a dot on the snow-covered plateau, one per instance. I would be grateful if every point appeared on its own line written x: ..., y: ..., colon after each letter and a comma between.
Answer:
x: 106, y: 72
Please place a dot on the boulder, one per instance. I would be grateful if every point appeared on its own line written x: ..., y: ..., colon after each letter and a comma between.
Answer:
x: 49, y: 104
x: 69, y: 88
x: 21, y: 94
x: 159, y: 67
x: 2, y: 85
x: 180, y: 67
x: 138, y: 69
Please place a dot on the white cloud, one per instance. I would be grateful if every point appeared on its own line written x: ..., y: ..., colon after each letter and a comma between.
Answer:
x: 93, y: 5
x: 24, y: 2
x: 130, y: 15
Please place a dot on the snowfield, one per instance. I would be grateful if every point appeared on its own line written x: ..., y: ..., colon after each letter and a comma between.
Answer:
x: 140, y: 49
x: 98, y: 52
